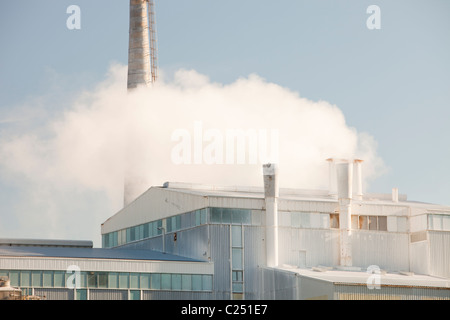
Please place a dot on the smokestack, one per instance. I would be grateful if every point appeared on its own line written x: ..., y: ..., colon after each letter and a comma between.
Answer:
x: 332, y: 187
x: 141, y: 72
x: 139, y: 67
x: 358, y: 179
x: 270, y: 172
x: 344, y: 172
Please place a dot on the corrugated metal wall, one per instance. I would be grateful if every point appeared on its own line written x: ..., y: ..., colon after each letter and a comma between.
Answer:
x: 108, y: 294
x: 387, y: 250
x: 277, y: 285
x: 220, y: 254
x: 439, y: 253
x: 176, y: 295
x: 361, y: 292
x: 254, y: 256
x: 54, y: 294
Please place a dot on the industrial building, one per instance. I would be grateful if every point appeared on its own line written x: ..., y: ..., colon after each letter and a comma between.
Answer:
x: 183, y: 241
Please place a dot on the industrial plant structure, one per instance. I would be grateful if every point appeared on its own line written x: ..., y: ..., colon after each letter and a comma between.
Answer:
x: 183, y: 241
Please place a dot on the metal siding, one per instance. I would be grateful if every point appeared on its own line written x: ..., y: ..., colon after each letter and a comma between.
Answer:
x: 320, y: 245
x: 277, y: 285
x: 220, y: 253
x: 389, y: 251
x: 420, y: 260
x: 176, y: 295
x: 254, y: 256
x: 361, y: 292
x: 54, y: 293
x: 439, y: 253
x: 16, y: 263
x: 108, y: 294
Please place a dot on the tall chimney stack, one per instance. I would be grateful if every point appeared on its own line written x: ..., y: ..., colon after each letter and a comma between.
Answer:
x: 141, y: 72
x: 139, y: 66
x: 270, y: 172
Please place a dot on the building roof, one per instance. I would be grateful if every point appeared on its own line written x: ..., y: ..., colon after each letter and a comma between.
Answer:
x: 90, y: 253
x: 46, y: 243
x: 341, y: 277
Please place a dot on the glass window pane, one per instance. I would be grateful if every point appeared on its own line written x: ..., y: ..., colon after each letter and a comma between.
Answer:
x: 236, y: 236
x: 123, y: 280
x: 257, y: 217
x: 196, y: 282
x: 158, y: 228
x: 113, y: 280
x: 156, y: 281
x: 373, y: 224
x: 115, y: 239
x: 236, y: 216
x: 47, y: 279
x: 197, y: 218
x: 144, y: 281
x: 176, y: 281
x: 25, y: 279
x: 237, y: 275
x: 36, y: 280
x: 207, y: 283
x: 134, y: 280
x: 382, y: 223
x: 354, y: 222
x: 58, y: 279
x: 178, y: 222
x: 102, y: 280
x: 81, y: 294
x: 92, y: 280
x: 305, y: 220
x: 14, y: 278
x: 166, y: 281
x: 216, y: 215
x: 186, y: 282
x: 295, y: 219
x: 203, y: 216
x: 246, y: 217
x: 363, y: 223
x: 226, y: 216
x: 237, y: 287
x: 237, y: 258
x: 135, y: 295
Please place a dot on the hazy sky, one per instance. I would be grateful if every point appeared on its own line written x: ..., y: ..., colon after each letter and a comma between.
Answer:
x: 392, y: 83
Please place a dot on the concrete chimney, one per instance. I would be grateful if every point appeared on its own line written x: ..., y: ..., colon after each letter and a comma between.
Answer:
x: 139, y: 66
x: 270, y: 173
x: 344, y: 172
x: 394, y: 194
x: 332, y: 181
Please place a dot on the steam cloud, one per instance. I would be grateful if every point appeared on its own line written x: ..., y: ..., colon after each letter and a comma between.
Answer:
x: 70, y: 169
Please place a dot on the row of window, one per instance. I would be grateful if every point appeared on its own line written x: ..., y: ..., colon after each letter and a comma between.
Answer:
x: 439, y: 222
x: 378, y: 223
x: 109, y: 280
x: 154, y: 228
x: 181, y: 222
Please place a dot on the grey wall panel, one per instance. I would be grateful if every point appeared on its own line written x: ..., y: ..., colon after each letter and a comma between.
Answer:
x: 108, y: 294
x: 54, y: 293
x: 220, y: 253
x: 439, y: 253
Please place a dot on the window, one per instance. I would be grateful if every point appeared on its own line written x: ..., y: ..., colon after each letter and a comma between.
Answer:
x: 166, y: 281
x: 134, y: 280
x: 14, y: 278
x: 81, y: 294
x: 236, y: 236
x: 334, y: 221
x: 186, y: 282
x: 207, y: 283
x: 135, y: 295
x: 144, y: 281
x: 196, y: 282
x: 25, y: 279
x: 92, y: 280
x: 113, y: 280
x: 156, y: 281
x: 176, y: 281
x: 36, y: 280
x: 376, y: 223
x: 47, y: 279
x: 102, y: 280
x: 123, y: 280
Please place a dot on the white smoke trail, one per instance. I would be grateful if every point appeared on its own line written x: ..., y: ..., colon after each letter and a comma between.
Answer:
x: 71, y: 169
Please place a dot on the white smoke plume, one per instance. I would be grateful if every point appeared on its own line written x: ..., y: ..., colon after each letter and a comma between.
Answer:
x: 71, y: 168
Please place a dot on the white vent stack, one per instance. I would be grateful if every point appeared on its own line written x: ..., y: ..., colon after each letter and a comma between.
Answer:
x: 271, y: 192
x: 358, y: 179
x: 344, y: 173
x: 394, y: 194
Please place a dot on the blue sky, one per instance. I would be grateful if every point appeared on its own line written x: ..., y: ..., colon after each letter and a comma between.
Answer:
x: 393, y: 83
